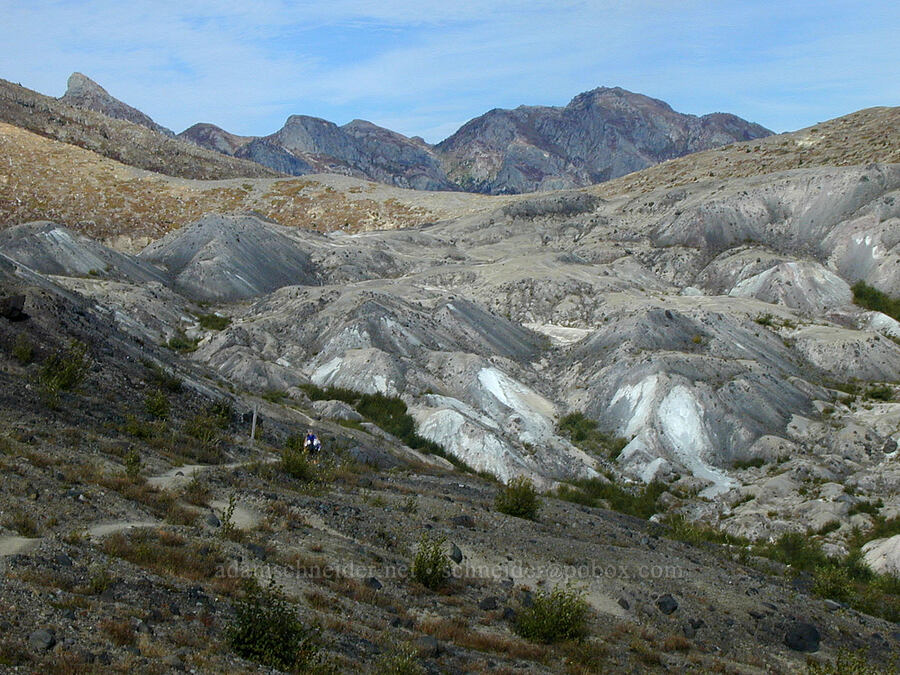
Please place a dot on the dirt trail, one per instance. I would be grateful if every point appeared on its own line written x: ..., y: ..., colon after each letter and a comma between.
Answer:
x: 243, y: 517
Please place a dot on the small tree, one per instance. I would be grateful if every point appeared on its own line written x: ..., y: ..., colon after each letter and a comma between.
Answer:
x: 519, y: 498
x: 431, y: 565
x: 266, y: 629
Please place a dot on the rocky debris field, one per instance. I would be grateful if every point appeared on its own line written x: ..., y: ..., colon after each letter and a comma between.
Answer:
x: 134, y: 509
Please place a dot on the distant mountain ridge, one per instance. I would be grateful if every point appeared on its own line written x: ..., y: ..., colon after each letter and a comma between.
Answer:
x: 600, y: 135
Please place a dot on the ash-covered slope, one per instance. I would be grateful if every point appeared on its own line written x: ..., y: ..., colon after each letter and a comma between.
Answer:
x: 600, y: 135
x: 227, y: 258
x: 49, y: 248
x: 83, y: 92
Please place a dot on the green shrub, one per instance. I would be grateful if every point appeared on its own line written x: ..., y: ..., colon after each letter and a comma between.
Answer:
x: 274, y: 395
x: 203, y: 428
x: 518, y: 498
x: 639, y: 501
x: 846, y: 663
x: 829, y: 527
x: 214, y: 321
x: 881, y: 392
x: 63, y: 371
x: 265, y: 629
x: 764, y: 319
x: 157, y: 375
x: 832, y: 582
x: 157, y: 405
x: 871, y: 298
x: 752, y: 463
x: 182, y: 343
x: 583, y: 432
x: 561, y: 614
x: 431, y: 565
x: 796, y: 549
x: 866, y: 507
x: 133, y: 465
x: 682, y: 529
x: 390, y: 414
x: 23, y: 350
x: 401, y: 658
x: 297, y: 464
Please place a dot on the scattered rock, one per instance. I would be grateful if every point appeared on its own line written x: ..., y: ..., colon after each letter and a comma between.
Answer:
x: 173, y: 662
x: 463, y: 521
x: 623, y: 603
x: 667, y: 604
x: 374, y: 584
x: 213, y: 521
x: 63, y: 559
x: 802, y: 637
x: 41, y: 640
x: 832, y: 605
x: 428, y: 646
x: 455, y: 554
x: 11, y: 308
x: 489, y: 604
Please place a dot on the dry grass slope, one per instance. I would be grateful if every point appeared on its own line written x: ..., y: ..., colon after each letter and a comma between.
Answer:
x: 124, y: 141
x: 43, y: 179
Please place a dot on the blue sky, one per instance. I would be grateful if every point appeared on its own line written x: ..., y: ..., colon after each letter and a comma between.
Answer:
x: 424, y: 68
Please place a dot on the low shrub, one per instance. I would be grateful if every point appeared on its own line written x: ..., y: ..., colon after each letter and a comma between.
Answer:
x: 162, y: 378
x: 63, y: 370
x: 23, y: 350
x: 182, y: 343
x: 518, y: 498
x: 297, y: 464
x: 871, y: 298
x: 637, y: 501
x: 752, y: 463
x: 157, y: 405
x: 431, y: 564
x: 583, y: 432
x: 266, y: 629
x: 561, y: 614
x: 214, y: 321
x: 401, y: 658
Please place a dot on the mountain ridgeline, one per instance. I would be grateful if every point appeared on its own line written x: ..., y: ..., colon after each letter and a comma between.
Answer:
x: 600, y: 135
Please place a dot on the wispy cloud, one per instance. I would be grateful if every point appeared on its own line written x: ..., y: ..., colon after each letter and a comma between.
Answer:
x: 423, y: 67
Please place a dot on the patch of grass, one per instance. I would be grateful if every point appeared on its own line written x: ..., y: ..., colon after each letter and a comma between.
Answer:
x: 401, y: 658
x: 166, y: 553
x: 161, y: 378
x: 866, y: 507
x: 828, y: 528
x: 752, y: 463
x: 561, y: 614
x: 297, y: 464
x: 847, y: 663
x: 22, y: 523
x: 870, y: 297
x: 583, y: 432
x: 638, y: 501
x: 695, y: 533
x: 764, y: 319
x: 214, y: 321
x: 881, y: 392
x: 182, y: 343
x: 275, y: 395
x: 23, y: 350
x: 518, y: 498
x: 266, y: 629
x: 431, y: 565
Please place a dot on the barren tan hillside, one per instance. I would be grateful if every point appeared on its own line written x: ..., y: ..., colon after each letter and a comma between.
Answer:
x: 43, y: 179
x: 870, y: 135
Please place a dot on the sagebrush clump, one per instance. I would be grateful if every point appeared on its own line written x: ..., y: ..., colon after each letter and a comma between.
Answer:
x: 431, y: 565
x: 561, y: 614
x: 266, y: 629
x: 519, y: 498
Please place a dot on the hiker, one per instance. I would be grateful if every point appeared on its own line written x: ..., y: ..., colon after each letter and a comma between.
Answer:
x: 312, y: 444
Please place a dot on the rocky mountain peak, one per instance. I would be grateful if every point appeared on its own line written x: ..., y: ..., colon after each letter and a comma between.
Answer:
x: 83, y: 92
